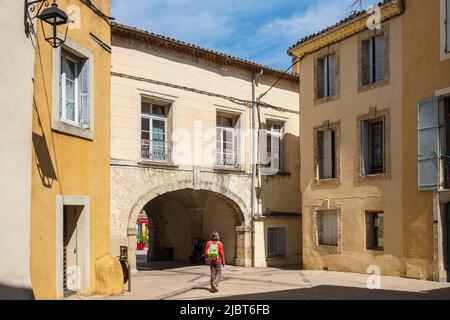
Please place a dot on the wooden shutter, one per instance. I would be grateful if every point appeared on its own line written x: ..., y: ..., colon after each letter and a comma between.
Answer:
x: 428, y: 144
x: 320, y: 78
x: 327, y: 155
x: 365, y: 61
x: 332, y: 76
x: 365, y: 148
x: 85, y: 110
x: 379, y: 58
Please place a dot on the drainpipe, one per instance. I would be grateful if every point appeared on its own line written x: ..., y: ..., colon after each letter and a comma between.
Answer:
x: 254, y: 157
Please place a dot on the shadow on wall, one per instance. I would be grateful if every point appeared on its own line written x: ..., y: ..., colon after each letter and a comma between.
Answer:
x: 281, y: 192
x: 15, y: 293
x: 44, y: 161
x: 343, y: 293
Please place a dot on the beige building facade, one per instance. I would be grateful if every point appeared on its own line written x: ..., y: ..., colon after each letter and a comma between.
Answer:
x: 16, y: 96
x: 181, y: 144
x: 368, y: 170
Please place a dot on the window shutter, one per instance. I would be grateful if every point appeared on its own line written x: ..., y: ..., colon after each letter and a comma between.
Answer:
x: 332, y: 75
x: 365, y: 61
x: 379, y: 58
x: 276, y: 146
x: 320, y: 78
x: 447, y: 22
x: 365, y: 147
x: 428, y: 144
x: 327, y: 155
x: 85, y: 96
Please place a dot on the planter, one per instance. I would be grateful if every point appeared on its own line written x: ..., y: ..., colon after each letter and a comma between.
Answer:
x: 140, y: 246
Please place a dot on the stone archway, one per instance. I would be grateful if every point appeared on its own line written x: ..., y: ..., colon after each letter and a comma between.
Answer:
x: 132, y: 188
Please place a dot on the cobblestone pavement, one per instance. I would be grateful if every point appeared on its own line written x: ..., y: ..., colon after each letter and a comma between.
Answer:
x: 172, y: 280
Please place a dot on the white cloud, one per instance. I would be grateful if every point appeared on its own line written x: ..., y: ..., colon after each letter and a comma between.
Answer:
x: 259, y: 30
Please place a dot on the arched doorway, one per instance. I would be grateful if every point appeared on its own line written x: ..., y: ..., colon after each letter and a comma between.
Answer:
x: 177, y: 219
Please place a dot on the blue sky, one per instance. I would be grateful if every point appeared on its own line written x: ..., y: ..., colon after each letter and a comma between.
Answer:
x: 258, y: 30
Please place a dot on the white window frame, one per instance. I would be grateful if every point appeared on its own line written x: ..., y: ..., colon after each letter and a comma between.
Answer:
x: 372, y: 60
x: 76, y: 122
x: 86, y: 58
x: 152, y: 117
x: 274, y: 134
x: 286, y: 244
x: 220, y: 150
x: 327, y: 76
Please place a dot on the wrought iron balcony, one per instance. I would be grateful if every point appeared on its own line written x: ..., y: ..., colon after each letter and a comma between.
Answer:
x: 227, y: 160
x: 157, y: 151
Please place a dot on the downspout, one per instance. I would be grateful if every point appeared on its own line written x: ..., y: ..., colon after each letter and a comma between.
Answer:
x: 255, y: 129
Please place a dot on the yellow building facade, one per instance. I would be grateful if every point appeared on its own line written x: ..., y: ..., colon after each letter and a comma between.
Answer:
x: 71, y: 152
x: 373, y: 88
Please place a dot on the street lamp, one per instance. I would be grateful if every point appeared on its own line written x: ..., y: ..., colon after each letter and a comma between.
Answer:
x: 53, y: 16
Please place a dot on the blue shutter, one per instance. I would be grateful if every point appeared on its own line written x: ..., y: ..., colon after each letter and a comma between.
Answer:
x: 429, y: 146
x: 85, y: 96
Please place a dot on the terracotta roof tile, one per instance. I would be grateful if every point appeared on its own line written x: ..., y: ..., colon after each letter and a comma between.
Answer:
x: 354, y: 16
x: 227, y: 57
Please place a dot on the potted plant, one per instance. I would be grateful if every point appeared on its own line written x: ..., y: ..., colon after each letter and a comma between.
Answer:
x: 140, y: 242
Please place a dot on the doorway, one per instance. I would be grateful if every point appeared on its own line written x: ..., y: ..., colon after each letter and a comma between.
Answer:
x: 72, y: 246
x: 71, y: 271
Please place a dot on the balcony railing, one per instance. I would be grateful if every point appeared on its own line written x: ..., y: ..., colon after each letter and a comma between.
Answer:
x: 227, y: 160
x: 158, y: 151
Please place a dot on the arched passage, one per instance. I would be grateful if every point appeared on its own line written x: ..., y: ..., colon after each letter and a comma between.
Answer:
x: 132, y: 189
x: 179, y: 218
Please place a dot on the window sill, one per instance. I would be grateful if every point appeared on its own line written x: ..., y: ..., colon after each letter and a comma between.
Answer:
x: 228, y: 169
x: 378, y: 84
x: 373, y: 177
x: 375, y: 250
x: 321, y: 182
x: 330, y: 249
x: 72, y: 129
x: 148, y: 163
x: 326, y: 100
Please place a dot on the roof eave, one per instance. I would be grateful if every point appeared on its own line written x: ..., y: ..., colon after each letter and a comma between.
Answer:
x: 348, y: 28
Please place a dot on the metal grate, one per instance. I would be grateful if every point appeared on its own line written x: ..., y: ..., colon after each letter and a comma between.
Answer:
x: 276, y: 242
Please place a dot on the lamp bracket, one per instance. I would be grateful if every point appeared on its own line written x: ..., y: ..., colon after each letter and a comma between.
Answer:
x: 32, y: 9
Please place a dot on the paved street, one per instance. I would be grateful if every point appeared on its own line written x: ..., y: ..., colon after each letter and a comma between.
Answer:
x: 172, y: 280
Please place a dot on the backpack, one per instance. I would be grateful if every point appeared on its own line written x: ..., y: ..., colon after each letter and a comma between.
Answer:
x: 213, y: 250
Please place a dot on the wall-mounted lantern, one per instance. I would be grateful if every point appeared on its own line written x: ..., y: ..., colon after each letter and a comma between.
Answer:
x: 51, y: 15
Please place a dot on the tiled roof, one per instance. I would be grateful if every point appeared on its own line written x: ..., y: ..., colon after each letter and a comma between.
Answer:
x: 354, y: 16
x: 226, y: 58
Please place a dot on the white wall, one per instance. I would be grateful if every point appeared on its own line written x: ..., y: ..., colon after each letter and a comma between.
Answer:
x: 16, y: 91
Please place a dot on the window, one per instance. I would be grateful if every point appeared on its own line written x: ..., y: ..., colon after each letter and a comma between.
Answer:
x: 327, y: 226
x: 154, y: 146
x: 326, y: 77
x: 372, y: 146
x: 373, y: 60
x: 227, y: 154
x: 276, y: 242
x: 374, y: 230
x: 274, y: 144
x: 74, y: 90
x: 326, y: 151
